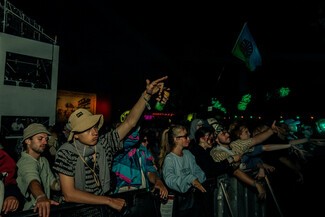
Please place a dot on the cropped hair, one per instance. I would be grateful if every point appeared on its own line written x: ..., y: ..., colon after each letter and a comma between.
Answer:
x: 201, y: 133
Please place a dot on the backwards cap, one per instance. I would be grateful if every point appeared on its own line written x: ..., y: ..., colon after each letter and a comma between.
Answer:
x: 218, y: 127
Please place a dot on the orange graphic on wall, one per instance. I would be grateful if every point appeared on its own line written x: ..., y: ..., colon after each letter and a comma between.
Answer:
x: 69, y: 101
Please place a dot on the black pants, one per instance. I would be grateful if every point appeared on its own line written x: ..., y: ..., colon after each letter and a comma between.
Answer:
x: 188, y: 204
x: 141, y: 203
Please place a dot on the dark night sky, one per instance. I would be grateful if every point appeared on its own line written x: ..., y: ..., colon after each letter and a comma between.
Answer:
x: 111, y: 47
x: 129, y: 41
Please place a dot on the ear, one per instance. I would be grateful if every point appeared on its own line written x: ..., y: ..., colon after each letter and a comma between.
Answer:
x: 28, y: 142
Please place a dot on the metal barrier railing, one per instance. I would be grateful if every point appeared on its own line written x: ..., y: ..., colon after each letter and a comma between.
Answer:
x: 68, y: 210
x: 230, y: 197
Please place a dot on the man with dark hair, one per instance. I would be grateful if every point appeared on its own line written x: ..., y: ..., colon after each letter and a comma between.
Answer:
x: 84, y: 162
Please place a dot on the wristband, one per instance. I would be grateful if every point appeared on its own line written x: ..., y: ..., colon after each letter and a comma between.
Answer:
x: 145, y: 99
x: 148, y: 106
x: 147, y: 102
x: 39, y: 197
x: 230, y: 159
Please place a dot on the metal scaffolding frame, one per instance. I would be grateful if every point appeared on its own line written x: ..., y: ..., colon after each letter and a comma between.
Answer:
x: 25, y: 22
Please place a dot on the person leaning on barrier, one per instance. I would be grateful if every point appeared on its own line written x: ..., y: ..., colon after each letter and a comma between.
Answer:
x: 181, y: 174
x: 12, y: 198
x: 223, y: 150
x: 137, y: 177
x: 34, y: 175
x: 85, y: 161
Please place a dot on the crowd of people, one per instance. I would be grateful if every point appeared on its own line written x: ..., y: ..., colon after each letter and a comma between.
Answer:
x: 131, y: 170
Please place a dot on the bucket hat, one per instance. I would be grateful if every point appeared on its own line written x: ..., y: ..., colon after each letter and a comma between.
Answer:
x: 34, y: 129
x: 82, y: 120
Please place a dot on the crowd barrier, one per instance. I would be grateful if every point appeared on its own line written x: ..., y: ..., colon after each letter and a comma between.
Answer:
x: 227, y: 196
x: 70, y: 210
x: 233, y: 198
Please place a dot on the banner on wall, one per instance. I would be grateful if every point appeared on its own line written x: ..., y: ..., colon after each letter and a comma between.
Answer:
x: 13, y: 126
x: 69, y: 101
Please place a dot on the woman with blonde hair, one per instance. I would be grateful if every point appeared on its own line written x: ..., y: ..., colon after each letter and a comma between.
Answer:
x: 180, y: 171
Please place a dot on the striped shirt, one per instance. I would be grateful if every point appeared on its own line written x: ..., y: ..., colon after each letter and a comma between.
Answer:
x: 67, y: 158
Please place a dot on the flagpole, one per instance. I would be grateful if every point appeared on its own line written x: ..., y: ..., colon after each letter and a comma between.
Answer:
x: 219, y: 77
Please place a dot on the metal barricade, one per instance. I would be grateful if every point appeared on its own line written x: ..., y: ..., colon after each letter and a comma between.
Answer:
x: 229, y: 198
x: 235, y: 199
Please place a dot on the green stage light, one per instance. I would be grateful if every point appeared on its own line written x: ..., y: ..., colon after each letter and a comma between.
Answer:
x: 284, y: 91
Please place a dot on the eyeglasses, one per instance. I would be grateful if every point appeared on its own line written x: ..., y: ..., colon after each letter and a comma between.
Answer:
x: 145, y: 140
x: 185, y: 136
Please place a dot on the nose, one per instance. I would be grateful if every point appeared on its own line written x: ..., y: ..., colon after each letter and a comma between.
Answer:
x: 45, y: 140
x: 94, y: 131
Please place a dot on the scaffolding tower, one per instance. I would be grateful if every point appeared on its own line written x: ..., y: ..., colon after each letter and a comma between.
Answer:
x: 15, y: 22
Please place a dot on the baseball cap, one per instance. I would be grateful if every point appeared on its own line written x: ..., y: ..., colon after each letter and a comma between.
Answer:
x: 217, y: 126
x: 82, y: 120
x: 34, y: 129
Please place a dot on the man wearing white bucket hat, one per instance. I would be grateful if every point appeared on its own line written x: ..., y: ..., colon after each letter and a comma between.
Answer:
x: 84, y: 162
x: 34, y: 175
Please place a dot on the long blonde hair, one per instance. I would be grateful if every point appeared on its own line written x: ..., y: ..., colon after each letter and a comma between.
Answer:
x: 167, y: 143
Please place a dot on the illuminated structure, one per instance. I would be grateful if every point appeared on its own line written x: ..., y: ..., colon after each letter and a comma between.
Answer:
x: 28, y: 71
x: 15, y: 22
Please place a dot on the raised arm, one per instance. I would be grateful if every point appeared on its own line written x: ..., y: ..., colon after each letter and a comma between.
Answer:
x: 261, y: 137
x: 133, y: 117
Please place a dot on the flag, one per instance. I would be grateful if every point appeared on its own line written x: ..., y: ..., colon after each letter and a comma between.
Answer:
x: 245, y: 49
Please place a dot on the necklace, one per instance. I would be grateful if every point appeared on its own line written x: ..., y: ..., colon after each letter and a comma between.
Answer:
x: 97, y: 181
